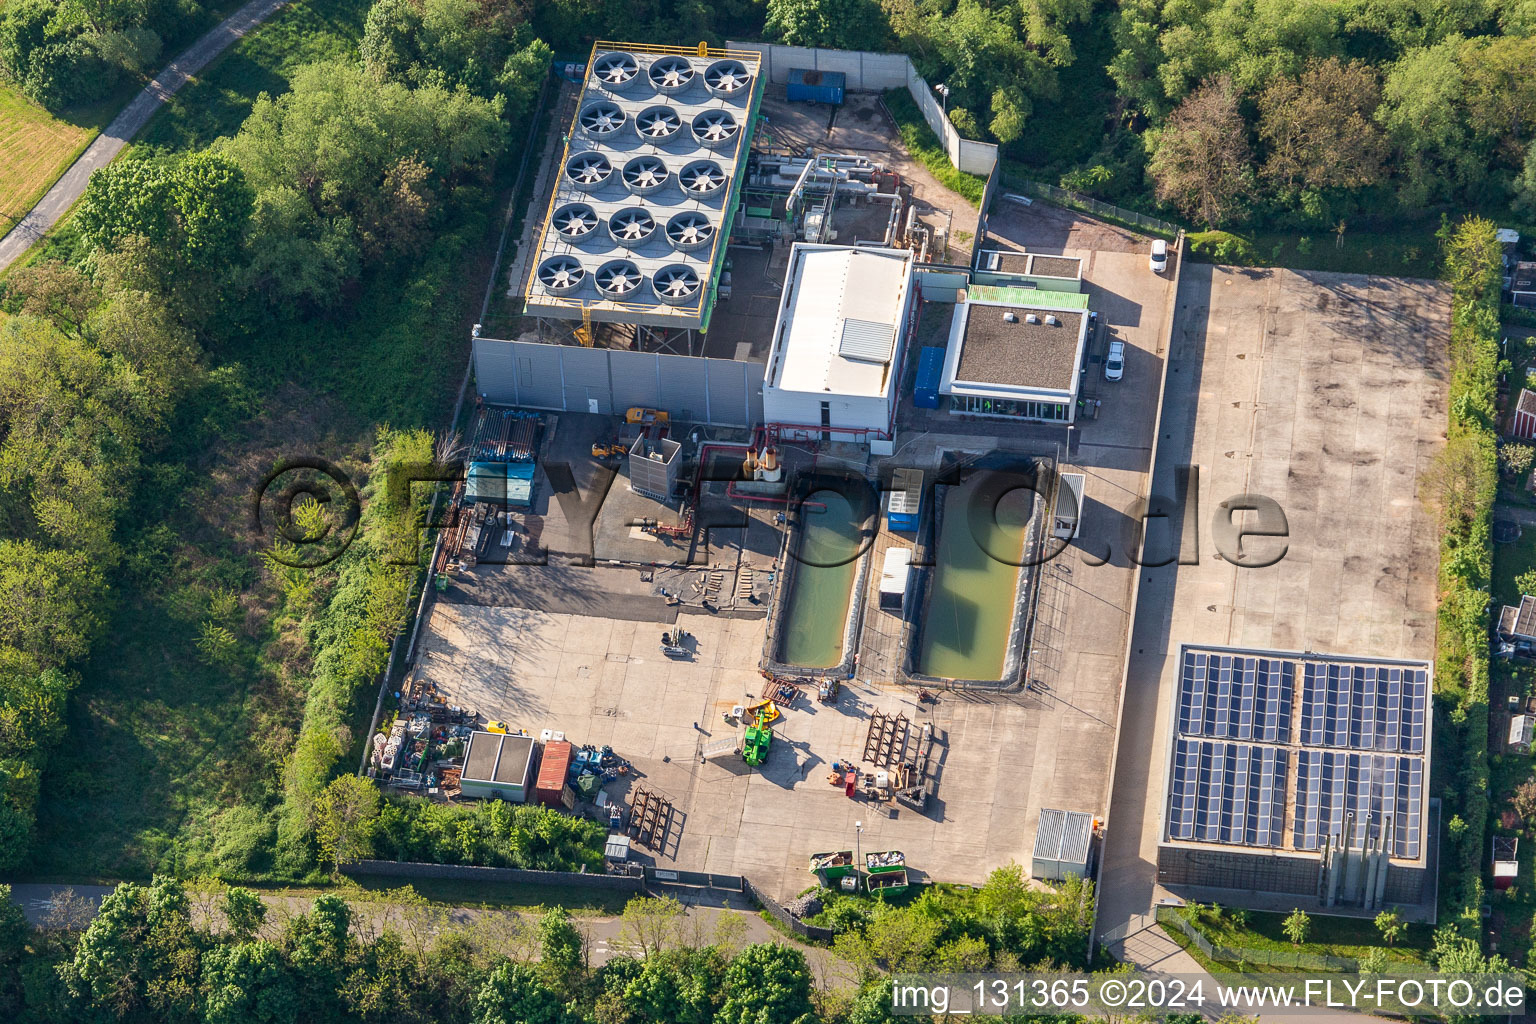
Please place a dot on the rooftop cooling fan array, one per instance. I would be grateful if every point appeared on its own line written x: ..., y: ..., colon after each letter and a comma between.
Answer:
x: 574, y: 221
x: 618, y: 280
x: 602, y: 118
x: 726, y: 78
x: 645, y: 174
x: 676, y: 284
x: 702, y: 178
x: 671, y: 74
x: 715, y: 128
x: 561, y: 275
x: 588, y: 170
x: 690, y: 230
x: 617, y: 71
x: 630, y: 227
x: 658, y: 124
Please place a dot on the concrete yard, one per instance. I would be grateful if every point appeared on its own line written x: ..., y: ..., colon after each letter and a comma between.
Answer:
x: 575, y: 648
x: 1325, y: 392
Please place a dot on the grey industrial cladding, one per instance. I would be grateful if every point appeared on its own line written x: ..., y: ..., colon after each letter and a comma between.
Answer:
x: 316, y: 479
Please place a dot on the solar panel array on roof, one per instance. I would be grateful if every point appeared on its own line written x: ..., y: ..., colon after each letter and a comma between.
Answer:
x: 1227, y: 793
x: 1333, y: 783
x: 1236, y: 697
x: 1364, y: 707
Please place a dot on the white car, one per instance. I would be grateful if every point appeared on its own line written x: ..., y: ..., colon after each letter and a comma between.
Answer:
x: 1159, y: 261
x: 1114, y: 363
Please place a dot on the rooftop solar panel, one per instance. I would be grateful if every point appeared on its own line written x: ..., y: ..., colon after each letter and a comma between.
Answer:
x: 1227, y: 793
x: 1332, y: 784
x: 1364, y: 707
x: 1235, y: 697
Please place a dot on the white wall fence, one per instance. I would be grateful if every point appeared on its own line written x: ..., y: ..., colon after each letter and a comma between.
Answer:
x: 877, y: 72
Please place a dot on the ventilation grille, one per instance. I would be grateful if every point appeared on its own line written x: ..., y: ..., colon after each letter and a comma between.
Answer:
x: 867, y: 341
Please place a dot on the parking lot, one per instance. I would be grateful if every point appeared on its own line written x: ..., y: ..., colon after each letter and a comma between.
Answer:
x: 1325, y: 392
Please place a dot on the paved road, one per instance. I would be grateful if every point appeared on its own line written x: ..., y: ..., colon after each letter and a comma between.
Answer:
x: 127, y: 124
x: 606, y: 936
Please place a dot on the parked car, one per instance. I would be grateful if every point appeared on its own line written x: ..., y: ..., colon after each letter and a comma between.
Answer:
x: 1114, y: 363
x: 1159, y: 260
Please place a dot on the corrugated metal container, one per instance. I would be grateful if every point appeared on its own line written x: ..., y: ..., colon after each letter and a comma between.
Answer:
x: 930, y: 369
x: 1062, y: 839
x: 550, y: 786
x: 807, y: 86
x: 893, y: 578
x: 505, y: 483
x: 904, y: 501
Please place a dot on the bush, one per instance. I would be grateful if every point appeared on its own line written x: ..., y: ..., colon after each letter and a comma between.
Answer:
x: 926, y: 149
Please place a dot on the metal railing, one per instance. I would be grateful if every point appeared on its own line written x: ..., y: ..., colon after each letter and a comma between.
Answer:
x: 1297, y: 959
x: 1097, y: 207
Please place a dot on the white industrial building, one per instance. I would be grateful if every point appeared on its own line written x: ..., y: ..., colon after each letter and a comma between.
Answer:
x: 835, y: 360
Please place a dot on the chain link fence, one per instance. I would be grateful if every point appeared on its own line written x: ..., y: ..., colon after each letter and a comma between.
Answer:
x: 1097, y: 207
x: 1169, y: 917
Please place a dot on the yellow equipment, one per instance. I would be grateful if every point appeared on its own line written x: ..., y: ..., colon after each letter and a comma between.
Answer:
x: 497, y: 726
x: 602, y: 450
x: 765, y: 710
x: 646, y: 416
x: 584, y: 332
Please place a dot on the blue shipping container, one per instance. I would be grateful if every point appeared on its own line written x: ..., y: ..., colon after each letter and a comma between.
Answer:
x: 930, y: 369
x: 806, y: 86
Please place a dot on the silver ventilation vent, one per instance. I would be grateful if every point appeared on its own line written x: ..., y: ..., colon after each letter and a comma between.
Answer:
x: 561, y: 275
x: 671, y: 74
x: 727, y: 78
x: 602, y: 118
x: 617, y: 71
x: 702, y: 178
x: 618, y: 280
x: 631, y: 226
x: 715, y: 128
x: 588, y: 170
x: 658, y: 124
x: 690, y: 230
x: 574, y: 221
x: 676, y: 284
x: 645, y: 174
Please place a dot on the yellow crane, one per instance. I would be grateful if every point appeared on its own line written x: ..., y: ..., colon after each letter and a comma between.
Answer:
x: 584, y: 332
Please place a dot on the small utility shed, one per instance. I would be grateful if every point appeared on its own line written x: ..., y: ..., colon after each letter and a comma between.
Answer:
x: 1522, y: 729
x: 1062, y: 839
x: 497, y: 765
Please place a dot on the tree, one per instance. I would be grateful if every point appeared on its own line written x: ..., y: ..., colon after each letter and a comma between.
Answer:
x: 513, y: 994
x: 244, y: 912
x: 651, y: 922
x: 1201, y: 161
x: 1524, y: 799
x: 49, y: 600
x: 1516, y: 458
x: 343, y: 814
x: 561, y: 950
x: 1525, y: 184
x: 839, y: 24
x: 1391, y: 926
x: 1525, y: 582
x: 1463, y: 476
x: 1296, y: 926
x: 766, y: 983
x: 1374, y: 962
x: 1318, y: 128
x: 248, y: 983
x: 53, y: 290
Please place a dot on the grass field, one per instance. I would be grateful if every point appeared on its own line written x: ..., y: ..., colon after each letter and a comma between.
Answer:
x: 35, y: 148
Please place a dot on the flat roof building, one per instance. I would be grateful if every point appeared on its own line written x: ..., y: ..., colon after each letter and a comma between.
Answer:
x: 1016, y: 354
x: 1299, y: 775
x: 835, y: 360
x: 497, y: 765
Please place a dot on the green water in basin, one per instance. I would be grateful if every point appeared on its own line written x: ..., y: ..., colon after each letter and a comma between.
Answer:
x: 970, y: 605
x: 816, y: 615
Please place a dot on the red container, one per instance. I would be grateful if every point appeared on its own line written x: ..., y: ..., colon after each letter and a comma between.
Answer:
x: 552, y: 769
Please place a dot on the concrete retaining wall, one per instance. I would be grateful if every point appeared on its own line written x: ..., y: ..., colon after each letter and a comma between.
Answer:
x: 473, y: 873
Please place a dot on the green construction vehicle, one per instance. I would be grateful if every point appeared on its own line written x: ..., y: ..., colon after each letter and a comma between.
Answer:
x: 754, y: 746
